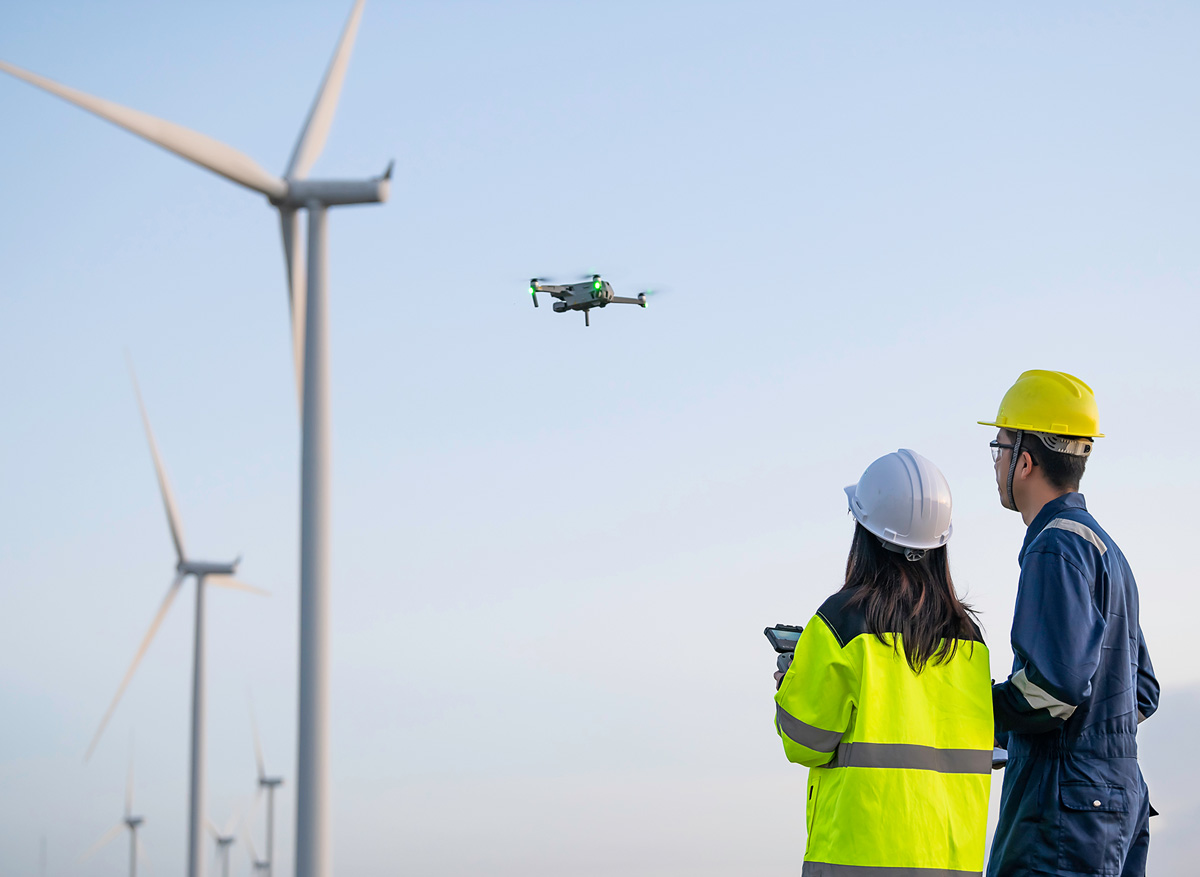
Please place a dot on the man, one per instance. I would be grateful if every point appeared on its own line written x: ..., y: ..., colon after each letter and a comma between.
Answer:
x: 1073, y: 800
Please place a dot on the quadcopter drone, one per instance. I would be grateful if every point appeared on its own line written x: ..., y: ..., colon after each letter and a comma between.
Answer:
x: 582, y: 296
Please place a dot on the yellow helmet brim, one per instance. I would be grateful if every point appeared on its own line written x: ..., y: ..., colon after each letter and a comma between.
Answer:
x: 1030, y: 428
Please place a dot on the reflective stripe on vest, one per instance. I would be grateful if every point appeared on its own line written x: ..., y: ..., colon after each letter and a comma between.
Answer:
x: 825, y: 869
x: 816, y: 739
x: 908, y: 756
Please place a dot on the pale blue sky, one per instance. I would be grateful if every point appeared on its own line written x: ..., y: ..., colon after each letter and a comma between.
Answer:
x: 555, y: 548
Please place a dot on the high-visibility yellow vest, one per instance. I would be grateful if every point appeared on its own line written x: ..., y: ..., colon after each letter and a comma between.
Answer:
x: 900, y: 761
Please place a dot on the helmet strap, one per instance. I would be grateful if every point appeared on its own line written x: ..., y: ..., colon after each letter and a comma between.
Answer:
x: 1012, y: 469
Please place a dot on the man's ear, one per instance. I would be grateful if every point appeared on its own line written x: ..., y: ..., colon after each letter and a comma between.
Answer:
x: 1025, y: 465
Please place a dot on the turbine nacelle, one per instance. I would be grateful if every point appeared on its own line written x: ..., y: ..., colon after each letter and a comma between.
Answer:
x: 301, y: 193
x: 200, y: 569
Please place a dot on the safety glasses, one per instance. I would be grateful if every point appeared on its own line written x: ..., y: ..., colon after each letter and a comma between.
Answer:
x: 997, y: 446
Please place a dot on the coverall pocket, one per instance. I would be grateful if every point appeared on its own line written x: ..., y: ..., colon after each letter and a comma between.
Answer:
x: 1091, y: 830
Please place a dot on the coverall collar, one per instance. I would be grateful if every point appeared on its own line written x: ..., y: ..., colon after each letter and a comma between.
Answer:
x: 1050, y: 511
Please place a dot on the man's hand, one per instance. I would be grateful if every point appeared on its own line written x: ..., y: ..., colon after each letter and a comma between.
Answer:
x: 782, y: 662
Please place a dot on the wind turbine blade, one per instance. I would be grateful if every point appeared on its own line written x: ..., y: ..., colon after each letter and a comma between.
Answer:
x: 195, y: 147
x: 103, y: 842
x: 251, y: 852
x: 172, y: 592
x: 289, y: 220
x: 258, y: 756
x: 129, y: 786
x: 164, y: 485
x: 320, y: 117
x: 235, y: 819
x: 234, y: 585
x: 212, y: 829
x: 253, y: 812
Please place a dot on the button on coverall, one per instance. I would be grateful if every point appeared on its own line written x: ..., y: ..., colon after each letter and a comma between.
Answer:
x: 1073, y: 800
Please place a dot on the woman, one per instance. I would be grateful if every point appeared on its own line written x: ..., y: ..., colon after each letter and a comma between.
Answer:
x: 888, y: 698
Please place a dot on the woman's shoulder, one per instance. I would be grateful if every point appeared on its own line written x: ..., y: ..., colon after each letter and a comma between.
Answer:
x: 843, y: 615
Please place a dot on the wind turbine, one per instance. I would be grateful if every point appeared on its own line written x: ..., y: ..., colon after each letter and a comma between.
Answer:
x: 224, y: 840
x: 129, y: 821
x: 205, y: 573
x: 307, y: 290
x: 256, y: 863
x: 270, y: 784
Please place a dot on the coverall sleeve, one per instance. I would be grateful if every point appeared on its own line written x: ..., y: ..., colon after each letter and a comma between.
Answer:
x: 1147, y: 684
x: 816, y: 699
x: 1056, y: 638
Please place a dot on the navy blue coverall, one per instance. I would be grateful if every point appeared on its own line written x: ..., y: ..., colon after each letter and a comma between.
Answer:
x: 1074, y: 801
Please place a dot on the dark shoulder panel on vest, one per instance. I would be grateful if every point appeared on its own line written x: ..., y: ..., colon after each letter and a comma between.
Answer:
x: 844, y: 620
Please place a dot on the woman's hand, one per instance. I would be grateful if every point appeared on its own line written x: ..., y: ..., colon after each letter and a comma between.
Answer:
x: 782, y: 662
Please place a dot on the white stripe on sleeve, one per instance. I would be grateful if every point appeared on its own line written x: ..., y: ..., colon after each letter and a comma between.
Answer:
x: 1039, y: 698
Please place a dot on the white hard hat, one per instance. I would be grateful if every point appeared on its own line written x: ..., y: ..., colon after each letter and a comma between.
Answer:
x: 904, y: 500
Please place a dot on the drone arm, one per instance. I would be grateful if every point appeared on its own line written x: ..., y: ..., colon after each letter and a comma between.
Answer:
x: 559, y: 292
x: 625, y: 300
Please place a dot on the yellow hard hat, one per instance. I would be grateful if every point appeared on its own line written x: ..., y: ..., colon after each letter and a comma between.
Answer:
x: 1052, y: 402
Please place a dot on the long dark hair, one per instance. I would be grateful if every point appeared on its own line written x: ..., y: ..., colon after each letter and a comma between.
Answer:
x: 912, y: 598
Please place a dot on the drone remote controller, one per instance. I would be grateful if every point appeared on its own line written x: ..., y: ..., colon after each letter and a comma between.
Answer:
x: 783, y: 637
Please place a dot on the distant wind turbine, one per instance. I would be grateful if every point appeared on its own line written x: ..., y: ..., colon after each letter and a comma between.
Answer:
x: 270, y: 784
x: 256, y: 863
x: 129, y: 821
x: 224, y: 839
x: 205, y: 573
x: 310, y: 344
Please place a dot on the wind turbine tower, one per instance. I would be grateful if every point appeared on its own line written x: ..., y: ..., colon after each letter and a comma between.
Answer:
x: 205, y: 573
x: 308, y: 295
